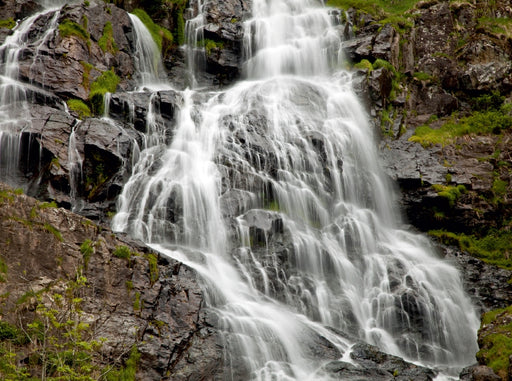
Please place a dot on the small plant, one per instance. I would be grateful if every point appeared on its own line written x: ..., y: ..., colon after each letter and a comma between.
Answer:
x: 122, y: 252
x: 87, y: 249
x: 153, y: 267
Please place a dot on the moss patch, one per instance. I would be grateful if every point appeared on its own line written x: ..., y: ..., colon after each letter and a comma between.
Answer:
x: 71, y: 28
x: 106, y: 42
x: 79, y: 107
x: 7, y: 23
x: 494, y: 248
x: 495, y: 340
x: 479, y: 123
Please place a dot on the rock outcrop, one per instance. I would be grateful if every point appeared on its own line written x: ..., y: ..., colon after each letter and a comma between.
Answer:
x: 128, y: 295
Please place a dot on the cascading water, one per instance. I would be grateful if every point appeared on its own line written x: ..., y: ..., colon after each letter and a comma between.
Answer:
x: 14, y: 94
x: 272, y: 191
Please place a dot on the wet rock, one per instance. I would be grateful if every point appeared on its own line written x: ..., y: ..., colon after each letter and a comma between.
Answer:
x: 224, y: 26
x: 478, y: 373
x: 372, y: 364
x: 67, y: 65
x: 486, y: 284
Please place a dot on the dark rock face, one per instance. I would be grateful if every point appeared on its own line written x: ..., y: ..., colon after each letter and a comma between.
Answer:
x: 59, y: 63
x: 159, y: 309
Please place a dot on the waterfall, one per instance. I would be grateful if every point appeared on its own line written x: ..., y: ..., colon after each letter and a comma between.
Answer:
x: 14, y: 143
x: 272, y: 191
x: 148, y: 60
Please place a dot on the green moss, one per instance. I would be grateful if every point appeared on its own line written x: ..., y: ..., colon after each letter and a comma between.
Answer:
x: 78, y: 106
x: 122, y: 252
x: 3, y: 270
x: 479, y: 123
x: 86, y: 74
x: 106, y: 42
x: 137, y: 302
x: 210, y: 45
x: 451, y: 193
x: 180, y: 28
x: 378, y: 8
x: 162, y: 37
x: 71, y: 28
x: 365, y: 65
x: 496, y: 347
x: 153, y: 267
x: 494, y: 248
x: 7, y: 23
x: 106, y: 82
x: 421, y: 76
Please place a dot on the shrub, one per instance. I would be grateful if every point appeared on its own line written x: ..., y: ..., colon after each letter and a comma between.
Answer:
x: 122, y: 252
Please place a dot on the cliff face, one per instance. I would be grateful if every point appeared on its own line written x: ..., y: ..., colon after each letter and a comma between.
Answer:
x: 449, y: 63
x: 70, y: 286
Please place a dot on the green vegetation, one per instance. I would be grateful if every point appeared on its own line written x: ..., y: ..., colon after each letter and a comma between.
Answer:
x: 137, y: 303
x: 106, y: 42
x: 162, y: 37
x: 451, y: 193
x: 7, y: 23
x: 122, y: 252
x: 106, y: 82
x: 153, y: 267
x: 365, y: 65
x: 3, y: 271
x: 210, y: 45
x: 377, y: 8
x: 56, y: 340
x: 86, y: 75
x: 496, y: 347
x: 479, y: 123
x: 496, y: 25
x: 494, y: 248
x: 78, y: 106
x: 421, y: 76
x: 87, y: 249
x: 130, y: 369
x: 71, y: 28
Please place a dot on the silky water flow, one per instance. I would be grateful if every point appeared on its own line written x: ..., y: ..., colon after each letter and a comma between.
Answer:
x: 272, y: 191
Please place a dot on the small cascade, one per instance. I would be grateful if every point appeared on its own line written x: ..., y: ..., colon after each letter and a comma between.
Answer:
x: 15, y: 142
x: 75, y: 167
x: 148, y: 60
x: 196, y: 56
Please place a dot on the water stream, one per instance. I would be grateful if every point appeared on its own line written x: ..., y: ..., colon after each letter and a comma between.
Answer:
x: 272, y: 191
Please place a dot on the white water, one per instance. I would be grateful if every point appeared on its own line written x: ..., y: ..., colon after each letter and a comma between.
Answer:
x: 294, y: 138
x: 14, y: 109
